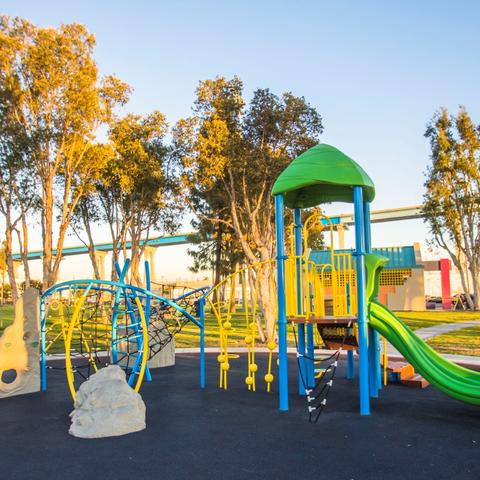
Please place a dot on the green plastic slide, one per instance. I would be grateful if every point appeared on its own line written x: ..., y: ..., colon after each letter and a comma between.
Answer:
x: 452, y: 379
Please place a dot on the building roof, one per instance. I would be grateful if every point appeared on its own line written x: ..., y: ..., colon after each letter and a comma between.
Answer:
x: 398, y: 257
x: 322, y: 174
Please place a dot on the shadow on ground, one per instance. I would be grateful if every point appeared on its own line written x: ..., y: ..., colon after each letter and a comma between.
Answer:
x: 235, y: 434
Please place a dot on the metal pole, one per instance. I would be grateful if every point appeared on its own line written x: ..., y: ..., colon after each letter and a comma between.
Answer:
x: 362, y: 310
x: 310, y: 353
x: 43, y: 343
x: 282, y: 316
x: 201, y: 305
x: 148, y: 286
x: 302, y: 374
x: 350, y: 365
x: 373, y: 335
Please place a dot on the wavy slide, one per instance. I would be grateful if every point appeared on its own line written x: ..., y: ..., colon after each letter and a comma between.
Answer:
x: 452, y: 379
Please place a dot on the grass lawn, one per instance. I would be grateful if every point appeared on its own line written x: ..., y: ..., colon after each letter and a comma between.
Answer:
x: 461, y: 342
x: 416, y: 320
x: 6, y: 316
x: 189, y: 337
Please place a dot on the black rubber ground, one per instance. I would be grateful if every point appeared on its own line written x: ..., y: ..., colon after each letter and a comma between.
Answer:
x: 236, y: 434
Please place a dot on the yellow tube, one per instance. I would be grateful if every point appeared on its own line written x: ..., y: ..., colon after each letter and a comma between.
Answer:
x: 68, y: 343
x: 143, y: 323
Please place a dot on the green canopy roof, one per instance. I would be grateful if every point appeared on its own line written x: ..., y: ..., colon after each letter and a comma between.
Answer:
x: 322, y: 174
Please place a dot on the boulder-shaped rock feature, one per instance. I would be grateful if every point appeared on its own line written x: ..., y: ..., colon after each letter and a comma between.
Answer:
x: 106, y: 406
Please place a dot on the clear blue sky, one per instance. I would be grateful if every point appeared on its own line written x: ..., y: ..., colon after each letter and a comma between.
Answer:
x: 376, y: 70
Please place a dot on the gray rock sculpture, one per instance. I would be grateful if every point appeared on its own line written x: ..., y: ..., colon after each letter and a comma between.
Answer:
x: 106, y: 406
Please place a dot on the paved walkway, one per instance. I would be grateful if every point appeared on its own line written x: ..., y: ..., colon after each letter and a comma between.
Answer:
x: 430, y: 332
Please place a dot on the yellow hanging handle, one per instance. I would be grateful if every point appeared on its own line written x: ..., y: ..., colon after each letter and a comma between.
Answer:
x: 269, y: 376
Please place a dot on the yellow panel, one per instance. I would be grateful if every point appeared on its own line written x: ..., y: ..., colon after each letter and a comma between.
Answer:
x: 395, y: 276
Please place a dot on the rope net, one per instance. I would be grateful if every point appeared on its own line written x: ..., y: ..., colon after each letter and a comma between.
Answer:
x: 102, y: 328
x: 165, y: 321
x: 93, y: 326
x: 325, y: 371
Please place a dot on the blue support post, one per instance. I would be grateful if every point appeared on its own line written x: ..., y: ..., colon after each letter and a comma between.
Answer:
x: 350, y: 365
x: 148, y: 285
x: 201, y: 306
x: 310, y: 354
x: 282, y: 316
x: 302, y: 374
x: 373, y: 335
x: 362, y: 310
x: 43, y: 346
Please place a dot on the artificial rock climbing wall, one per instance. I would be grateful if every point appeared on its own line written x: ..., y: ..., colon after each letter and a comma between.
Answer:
x: 19, y: 348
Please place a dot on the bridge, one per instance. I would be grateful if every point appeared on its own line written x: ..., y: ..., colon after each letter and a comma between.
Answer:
x: 377, y: 216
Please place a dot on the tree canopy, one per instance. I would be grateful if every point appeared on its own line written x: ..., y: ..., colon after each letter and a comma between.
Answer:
x: 58, y: 101
x: 452, y: 196
x: 231, y: 152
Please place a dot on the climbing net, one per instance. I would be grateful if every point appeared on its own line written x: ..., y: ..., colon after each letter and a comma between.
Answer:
x: 92, y: 326
x: 166, y: 321
x: 95, y: 323
x: 325, y: 370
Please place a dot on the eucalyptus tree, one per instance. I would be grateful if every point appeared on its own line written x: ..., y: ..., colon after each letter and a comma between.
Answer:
x: 138, y: 191
x: 244, y: 148
x: 452, y: 194
x: 18, y: 197
x: 61, y: 103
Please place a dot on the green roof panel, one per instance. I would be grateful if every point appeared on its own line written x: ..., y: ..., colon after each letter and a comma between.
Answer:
x: 322, y: 174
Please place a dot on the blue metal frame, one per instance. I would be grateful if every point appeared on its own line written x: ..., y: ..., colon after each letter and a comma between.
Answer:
x: 375, y: 375
x: 310, y: 354
x: 282, y: 316
x: 111, y: 286
x: 302, y: 374
x: 201, y: 307
x: 350, y: 365
x: 148, y: 286
x: 362, y: 307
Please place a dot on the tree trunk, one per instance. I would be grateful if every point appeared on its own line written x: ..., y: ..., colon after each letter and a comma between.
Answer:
x: 47, y: 231
x: 253, y: 299
x: 91, y: 243
x: 115, y: 255
x: 9, y: 260
x: 233, y: 287
x: 474, y: 274
x: 217, y: 269
x: 465, y: 286
x: 136, y: 254
x: 26, y: 266
x: 266, y: 299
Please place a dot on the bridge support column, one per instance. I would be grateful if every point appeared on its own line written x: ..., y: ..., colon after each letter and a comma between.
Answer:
x: 100, y: 256
x: 149, y: 256
x: 16, y: 267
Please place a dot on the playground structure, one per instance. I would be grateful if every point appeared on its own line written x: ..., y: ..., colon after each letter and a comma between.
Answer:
x: 94, y: 323
x: 323, y: 174
x: 329, y: 297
